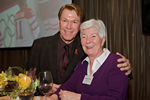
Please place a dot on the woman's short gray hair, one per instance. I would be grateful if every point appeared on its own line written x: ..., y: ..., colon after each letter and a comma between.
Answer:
x: 97, y: 24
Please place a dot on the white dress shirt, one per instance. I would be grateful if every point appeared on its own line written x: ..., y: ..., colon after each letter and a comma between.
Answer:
x: 97, y: 62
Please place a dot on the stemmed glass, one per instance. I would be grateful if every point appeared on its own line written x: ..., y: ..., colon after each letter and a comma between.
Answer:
x: 46, y: 82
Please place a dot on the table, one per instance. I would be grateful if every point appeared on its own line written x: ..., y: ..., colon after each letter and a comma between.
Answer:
x: 7, y: 98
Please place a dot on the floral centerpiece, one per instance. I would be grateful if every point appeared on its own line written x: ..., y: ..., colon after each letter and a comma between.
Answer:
x: 23, y: 84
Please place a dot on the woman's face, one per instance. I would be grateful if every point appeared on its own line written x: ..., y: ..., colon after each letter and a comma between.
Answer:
x: 92, y: 43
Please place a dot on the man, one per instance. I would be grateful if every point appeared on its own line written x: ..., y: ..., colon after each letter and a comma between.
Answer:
x: 46, y: 52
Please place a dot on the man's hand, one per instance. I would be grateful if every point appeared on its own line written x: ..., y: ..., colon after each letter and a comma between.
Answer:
x: 124, y: 66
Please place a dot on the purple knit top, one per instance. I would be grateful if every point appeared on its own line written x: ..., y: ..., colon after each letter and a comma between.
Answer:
x: 109, y: 83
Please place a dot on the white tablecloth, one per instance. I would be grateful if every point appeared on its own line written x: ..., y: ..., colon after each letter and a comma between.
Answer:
x: 7, y: 98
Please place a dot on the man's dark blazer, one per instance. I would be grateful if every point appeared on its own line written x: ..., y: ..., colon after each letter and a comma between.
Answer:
x: 44, y: 56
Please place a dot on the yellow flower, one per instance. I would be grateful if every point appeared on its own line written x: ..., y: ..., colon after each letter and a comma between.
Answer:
x: 13, y: 78
x: 3, y: 76
x: 24, y: 81
x: 3, y: 80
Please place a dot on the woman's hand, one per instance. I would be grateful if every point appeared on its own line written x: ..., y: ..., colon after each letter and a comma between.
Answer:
x: 124, y: 66
x: 54, y: 88
x: 67, y: 95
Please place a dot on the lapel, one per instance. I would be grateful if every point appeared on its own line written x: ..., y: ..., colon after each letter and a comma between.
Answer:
x: 52, y: 55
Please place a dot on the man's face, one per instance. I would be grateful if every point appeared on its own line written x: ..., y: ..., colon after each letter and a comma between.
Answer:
x: 69, y: 24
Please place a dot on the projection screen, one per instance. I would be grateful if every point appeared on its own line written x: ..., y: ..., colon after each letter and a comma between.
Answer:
x: 23, y: 21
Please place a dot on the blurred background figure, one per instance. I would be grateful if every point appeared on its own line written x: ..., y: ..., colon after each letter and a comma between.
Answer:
x: 27, y: 27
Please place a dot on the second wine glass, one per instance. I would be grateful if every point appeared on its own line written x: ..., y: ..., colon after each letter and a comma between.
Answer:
x: 46, y: 82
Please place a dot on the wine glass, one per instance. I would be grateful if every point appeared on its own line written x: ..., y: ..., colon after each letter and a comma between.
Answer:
x: 29, y: 92
x: 46, y: 82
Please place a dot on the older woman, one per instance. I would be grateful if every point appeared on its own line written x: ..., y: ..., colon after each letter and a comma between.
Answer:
x: 96, y: 77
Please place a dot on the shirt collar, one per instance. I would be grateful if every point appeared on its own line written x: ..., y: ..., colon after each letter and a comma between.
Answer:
x: 101, y: 58
x: 98, y: 61
x: 61, y: 44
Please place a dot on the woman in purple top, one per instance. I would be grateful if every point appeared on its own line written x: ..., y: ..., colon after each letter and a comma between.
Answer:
x: 96, y: 77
